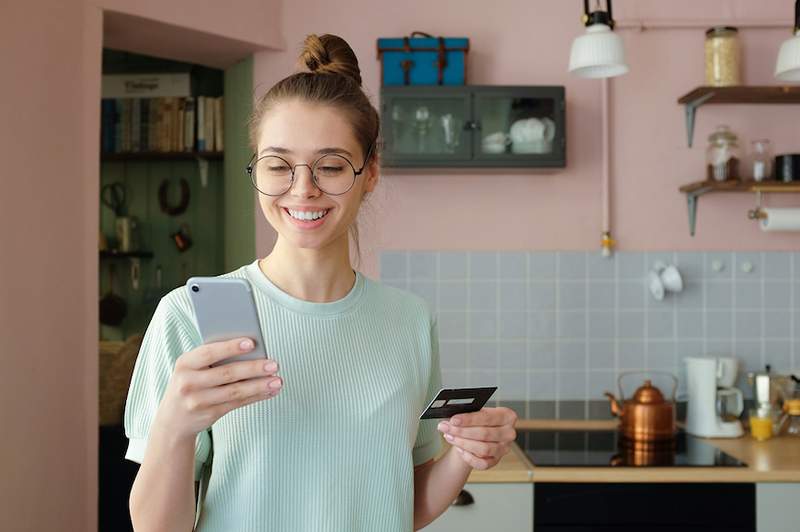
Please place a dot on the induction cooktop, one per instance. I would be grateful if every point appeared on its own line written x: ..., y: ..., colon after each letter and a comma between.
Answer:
x: 606, y: 448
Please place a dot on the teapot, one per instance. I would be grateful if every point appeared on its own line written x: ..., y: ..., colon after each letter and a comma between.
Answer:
x: 647, y: 415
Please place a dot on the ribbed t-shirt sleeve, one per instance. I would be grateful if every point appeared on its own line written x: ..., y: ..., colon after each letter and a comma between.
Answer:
x: 428, y: 442
x: 169, y: 334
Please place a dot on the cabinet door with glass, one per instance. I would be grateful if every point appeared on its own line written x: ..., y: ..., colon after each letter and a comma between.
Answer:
x: 425, y: 126
x: 473, y: 126
x: 519, y: 126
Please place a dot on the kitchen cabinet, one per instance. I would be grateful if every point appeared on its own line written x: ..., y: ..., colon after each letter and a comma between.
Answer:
x: 473, y: 126
x: 776, y: 506
x: 497, y: 506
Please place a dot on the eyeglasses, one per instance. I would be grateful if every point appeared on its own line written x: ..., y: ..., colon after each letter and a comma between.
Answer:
x: 332, y: 173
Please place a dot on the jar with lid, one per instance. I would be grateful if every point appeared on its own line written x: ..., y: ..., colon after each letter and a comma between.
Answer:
x: 792, y: 409
x: 723, y: 57
x: 722, y: 155
x: 761, y: 159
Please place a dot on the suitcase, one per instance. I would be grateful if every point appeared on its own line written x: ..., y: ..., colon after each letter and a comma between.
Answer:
x: 422, y: 59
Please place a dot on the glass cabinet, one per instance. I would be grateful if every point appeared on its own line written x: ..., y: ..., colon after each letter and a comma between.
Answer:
x: 473, y: 126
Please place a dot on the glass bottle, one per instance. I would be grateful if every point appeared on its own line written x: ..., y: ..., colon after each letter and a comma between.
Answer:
x: 722, y: 155
x: 723, y: 57
x: 761, y: 160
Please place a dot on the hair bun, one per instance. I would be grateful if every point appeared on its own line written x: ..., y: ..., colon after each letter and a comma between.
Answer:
x: 330, y: 54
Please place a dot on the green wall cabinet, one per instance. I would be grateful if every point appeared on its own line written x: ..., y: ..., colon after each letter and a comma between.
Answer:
x: 474, y: 126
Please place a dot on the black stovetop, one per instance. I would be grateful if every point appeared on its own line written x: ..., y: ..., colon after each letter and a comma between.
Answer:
x: 605, y: 448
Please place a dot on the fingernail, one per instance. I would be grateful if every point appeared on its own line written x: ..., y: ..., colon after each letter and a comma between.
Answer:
x: 460, y: 450
x: 449, y: 437
x: 275, y: 384
x: 246, y: 344
x: 270, y: 366
x: 443, y: 427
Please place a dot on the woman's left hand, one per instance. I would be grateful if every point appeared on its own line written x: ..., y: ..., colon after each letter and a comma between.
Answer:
x: 481, y: 438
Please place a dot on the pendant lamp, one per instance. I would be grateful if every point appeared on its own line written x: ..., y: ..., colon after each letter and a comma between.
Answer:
x: 599, y: 52
x: 787, y: 68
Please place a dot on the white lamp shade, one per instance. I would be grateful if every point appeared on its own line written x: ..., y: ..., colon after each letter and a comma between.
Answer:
x: 598, y: 54
x: 787, y: 68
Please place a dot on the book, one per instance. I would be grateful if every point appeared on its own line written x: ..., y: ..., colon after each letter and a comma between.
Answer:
x: 201, y: 117
x: 218, y: 122
x: 189, y: 126
x: 209, y: 124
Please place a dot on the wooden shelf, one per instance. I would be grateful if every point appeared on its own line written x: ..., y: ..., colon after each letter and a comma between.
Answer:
x: 742, y: 186
x: 162, y: 156
x: 113, y: 254
x: 742, y: 94
x: 694, y: 190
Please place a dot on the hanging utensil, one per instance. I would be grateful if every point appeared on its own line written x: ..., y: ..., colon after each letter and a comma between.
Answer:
x: 112, y: 307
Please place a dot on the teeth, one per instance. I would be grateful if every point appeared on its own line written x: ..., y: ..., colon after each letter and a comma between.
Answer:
x: 307, y: 215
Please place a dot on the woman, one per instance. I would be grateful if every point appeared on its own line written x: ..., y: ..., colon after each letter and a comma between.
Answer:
x: 340, y: 447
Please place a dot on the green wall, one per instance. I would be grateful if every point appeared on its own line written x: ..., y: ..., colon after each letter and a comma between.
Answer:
x: 240, y: 230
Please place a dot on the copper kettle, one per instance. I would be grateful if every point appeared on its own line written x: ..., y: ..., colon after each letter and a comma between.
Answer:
x: 647, y: 415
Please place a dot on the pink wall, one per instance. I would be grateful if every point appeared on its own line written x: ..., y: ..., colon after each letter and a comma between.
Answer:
x: 49, y: 138
x: 524, y: 42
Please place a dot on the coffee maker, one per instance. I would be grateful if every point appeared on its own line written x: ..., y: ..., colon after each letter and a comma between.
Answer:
x: 714, y: 403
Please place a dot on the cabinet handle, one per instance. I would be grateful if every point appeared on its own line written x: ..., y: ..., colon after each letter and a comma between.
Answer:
x: 464, y: 499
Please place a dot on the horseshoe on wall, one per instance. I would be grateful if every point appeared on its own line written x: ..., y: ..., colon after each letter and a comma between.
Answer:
x: 173, y: 210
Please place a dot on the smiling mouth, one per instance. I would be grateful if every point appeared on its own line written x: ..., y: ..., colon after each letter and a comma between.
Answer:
x: 302, y: 215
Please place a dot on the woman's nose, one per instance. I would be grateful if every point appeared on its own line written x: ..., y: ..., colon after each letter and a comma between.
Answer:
x: 304, y: 184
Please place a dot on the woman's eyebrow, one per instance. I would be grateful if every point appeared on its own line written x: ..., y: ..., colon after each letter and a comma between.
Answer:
x: 323, y: 151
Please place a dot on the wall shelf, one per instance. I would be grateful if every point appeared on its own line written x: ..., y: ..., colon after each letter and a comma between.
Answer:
x: 694, y: 190
x: 112, y: 253
x: 733, y: 95
x: 162, y: 156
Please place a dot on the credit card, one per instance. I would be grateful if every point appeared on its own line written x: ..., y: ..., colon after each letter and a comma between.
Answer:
x: 451, y: 401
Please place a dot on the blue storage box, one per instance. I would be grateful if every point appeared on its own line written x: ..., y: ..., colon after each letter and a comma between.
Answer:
x: 422, y: 59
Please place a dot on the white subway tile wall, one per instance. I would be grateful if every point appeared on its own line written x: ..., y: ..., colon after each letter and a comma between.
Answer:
x: 560, y: 326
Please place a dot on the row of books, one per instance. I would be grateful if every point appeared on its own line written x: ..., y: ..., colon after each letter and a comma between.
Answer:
x: 166, y: 124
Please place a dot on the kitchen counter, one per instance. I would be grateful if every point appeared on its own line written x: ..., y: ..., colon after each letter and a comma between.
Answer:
x: 775, y: 460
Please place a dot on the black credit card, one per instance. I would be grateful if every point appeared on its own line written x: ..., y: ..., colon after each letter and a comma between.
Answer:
x: 451, y: 401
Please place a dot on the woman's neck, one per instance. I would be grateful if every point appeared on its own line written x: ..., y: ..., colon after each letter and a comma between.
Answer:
x: 317, y: 275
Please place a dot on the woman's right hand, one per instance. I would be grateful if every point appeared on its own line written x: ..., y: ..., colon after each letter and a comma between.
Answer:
x: 197, y: 395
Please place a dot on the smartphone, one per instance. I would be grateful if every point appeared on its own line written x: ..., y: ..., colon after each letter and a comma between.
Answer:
x: 225, y: 309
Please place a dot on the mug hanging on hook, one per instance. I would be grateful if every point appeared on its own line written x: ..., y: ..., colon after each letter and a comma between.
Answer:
x: 182, y: 238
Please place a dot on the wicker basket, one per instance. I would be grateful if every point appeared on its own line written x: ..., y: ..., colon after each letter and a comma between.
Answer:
x: 116, y: 367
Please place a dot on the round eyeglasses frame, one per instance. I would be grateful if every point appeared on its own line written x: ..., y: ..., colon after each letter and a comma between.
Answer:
x: 356, y: 173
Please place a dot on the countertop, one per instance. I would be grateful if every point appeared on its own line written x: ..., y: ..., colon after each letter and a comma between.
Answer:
x: 774, y: 460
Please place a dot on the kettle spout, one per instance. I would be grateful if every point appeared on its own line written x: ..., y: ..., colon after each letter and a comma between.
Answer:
x: 616, y: 408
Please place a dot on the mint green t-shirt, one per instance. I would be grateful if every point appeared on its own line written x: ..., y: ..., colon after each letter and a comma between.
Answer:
x: 335, y: 449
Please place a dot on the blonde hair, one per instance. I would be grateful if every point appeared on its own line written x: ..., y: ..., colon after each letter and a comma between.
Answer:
x: 331, y: 77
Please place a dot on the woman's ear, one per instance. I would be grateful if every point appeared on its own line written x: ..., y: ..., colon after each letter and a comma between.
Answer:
x: 373, y: 171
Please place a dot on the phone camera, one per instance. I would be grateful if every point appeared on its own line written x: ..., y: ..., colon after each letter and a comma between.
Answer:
x: 195, y: 288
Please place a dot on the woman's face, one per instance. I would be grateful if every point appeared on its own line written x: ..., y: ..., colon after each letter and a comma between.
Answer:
x: 300, y: 132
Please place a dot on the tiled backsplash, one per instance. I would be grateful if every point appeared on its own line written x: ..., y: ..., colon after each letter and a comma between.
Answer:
x: 560, y: 326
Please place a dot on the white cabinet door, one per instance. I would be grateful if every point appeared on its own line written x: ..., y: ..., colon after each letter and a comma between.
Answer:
x: 506, y: 507
x: 776, y: 507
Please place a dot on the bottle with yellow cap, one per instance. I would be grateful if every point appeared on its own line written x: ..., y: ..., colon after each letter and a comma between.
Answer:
x: 792, y: 408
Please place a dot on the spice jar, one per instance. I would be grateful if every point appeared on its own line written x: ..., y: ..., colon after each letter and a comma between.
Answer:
x: 722, y: 155
x: 723, y: 57
x: 761, y: 155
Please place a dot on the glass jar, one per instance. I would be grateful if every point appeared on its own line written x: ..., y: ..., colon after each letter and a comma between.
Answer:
x: 792, y: 408
x: 722, y: 155
x: 761, y: 159
x: 723, y: 57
